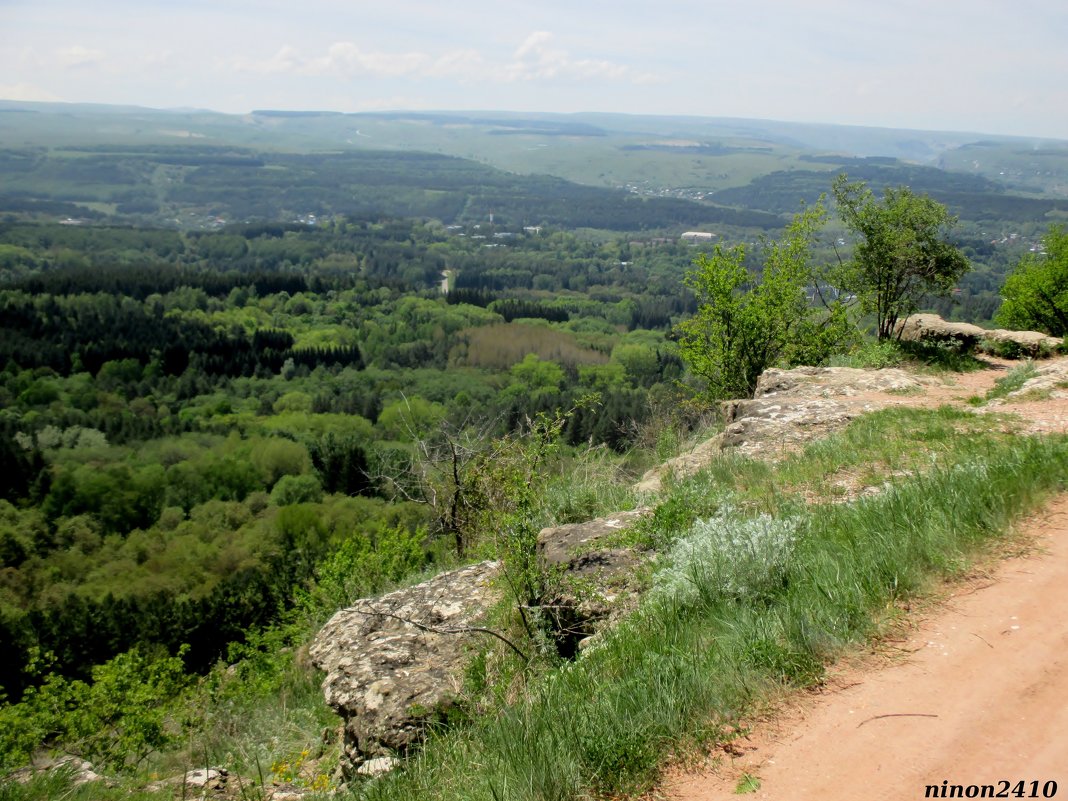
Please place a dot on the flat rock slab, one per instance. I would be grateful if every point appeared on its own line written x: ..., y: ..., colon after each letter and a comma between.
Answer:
x: 932, y: 328
x: 569, y: 545
x: 789, y: 409
x: 829, y: 382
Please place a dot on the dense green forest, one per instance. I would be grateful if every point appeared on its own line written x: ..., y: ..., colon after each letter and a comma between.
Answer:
x: 173, y: 400
x: 183, y: 413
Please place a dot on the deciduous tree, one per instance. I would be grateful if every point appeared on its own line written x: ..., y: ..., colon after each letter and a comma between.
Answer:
x: 901, y: 252
x: 745, y: 323
x: 1036, y: 292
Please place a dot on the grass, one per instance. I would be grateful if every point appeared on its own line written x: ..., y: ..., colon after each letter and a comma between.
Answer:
x: 748, y: 783
x: 876, y: 448
x: 687, y: 664
x: 1011, y: 381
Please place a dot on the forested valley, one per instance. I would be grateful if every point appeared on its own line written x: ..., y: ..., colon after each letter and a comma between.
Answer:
x: 188, y: 432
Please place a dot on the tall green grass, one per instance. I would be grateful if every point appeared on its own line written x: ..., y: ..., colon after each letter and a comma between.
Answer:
x: 689, y: 662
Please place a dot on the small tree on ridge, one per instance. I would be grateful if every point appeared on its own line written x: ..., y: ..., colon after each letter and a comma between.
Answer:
x: 745, y: 323
x: 902, y: 253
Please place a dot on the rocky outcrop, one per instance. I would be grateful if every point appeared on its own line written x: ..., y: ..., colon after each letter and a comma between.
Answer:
x: 932, y: 328
x: 831, y: 382
x: 685, y: 464
x: 793, y: 407
x: 396, y: 662
x: 789, y: 409
x: 593, y: 578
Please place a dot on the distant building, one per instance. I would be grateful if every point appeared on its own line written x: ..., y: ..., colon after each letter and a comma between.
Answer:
x: 697, y: 236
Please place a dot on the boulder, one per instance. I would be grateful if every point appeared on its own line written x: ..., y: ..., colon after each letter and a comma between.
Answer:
x: 932, y: 328
x: 396, y: 662
x: 1032, y: 344
x: 573, y: 545
x: 593, y: 581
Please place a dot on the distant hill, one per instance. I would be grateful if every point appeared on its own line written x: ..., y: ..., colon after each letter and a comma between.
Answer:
x: 165, y: 165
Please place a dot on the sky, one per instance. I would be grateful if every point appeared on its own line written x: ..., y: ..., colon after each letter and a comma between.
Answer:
x: 986, y: 66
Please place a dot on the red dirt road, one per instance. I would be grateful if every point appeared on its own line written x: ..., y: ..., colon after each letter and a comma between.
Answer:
x: 977, y: 695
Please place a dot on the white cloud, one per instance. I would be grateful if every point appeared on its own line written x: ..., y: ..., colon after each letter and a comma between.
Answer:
x: 27, y: 92
x: 285, y: 60
x: 460, y: 64
x: 537, y: 59
x: 77, y: 57
x: 346, y: 58
x: 341, y: 59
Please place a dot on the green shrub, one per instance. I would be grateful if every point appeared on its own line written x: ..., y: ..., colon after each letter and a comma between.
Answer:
x: 729, y: 556
x: 1007, y: 349
x: 1012, y: 380
x: 872, y: 355
x: 117, y: 719
x: 296, y: 489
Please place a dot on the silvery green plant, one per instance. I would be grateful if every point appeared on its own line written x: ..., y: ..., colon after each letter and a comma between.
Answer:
x: 728, y: 556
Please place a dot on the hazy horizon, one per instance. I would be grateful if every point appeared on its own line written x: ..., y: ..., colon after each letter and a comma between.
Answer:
x: 983, y: 67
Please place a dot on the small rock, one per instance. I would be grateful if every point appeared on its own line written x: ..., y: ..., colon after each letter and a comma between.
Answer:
x: 207, y: 778
x: 377, y: 766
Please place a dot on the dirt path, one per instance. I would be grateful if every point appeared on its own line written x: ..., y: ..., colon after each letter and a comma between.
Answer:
x: 974, y: 693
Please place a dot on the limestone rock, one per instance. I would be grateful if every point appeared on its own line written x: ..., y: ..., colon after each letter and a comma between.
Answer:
x: 789, y: 408
x: 1050, y: 378
x: 593, y: 582
x: 774, y: 426
x: 569, y: 545
x: 829, y: 382
x: 685, y: 464
x: 81, y: 771
x: 932, y: 328
x: 389, y: 664
x: 377, y: 766
x: 1032, y: 344
x: 211, y: 778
